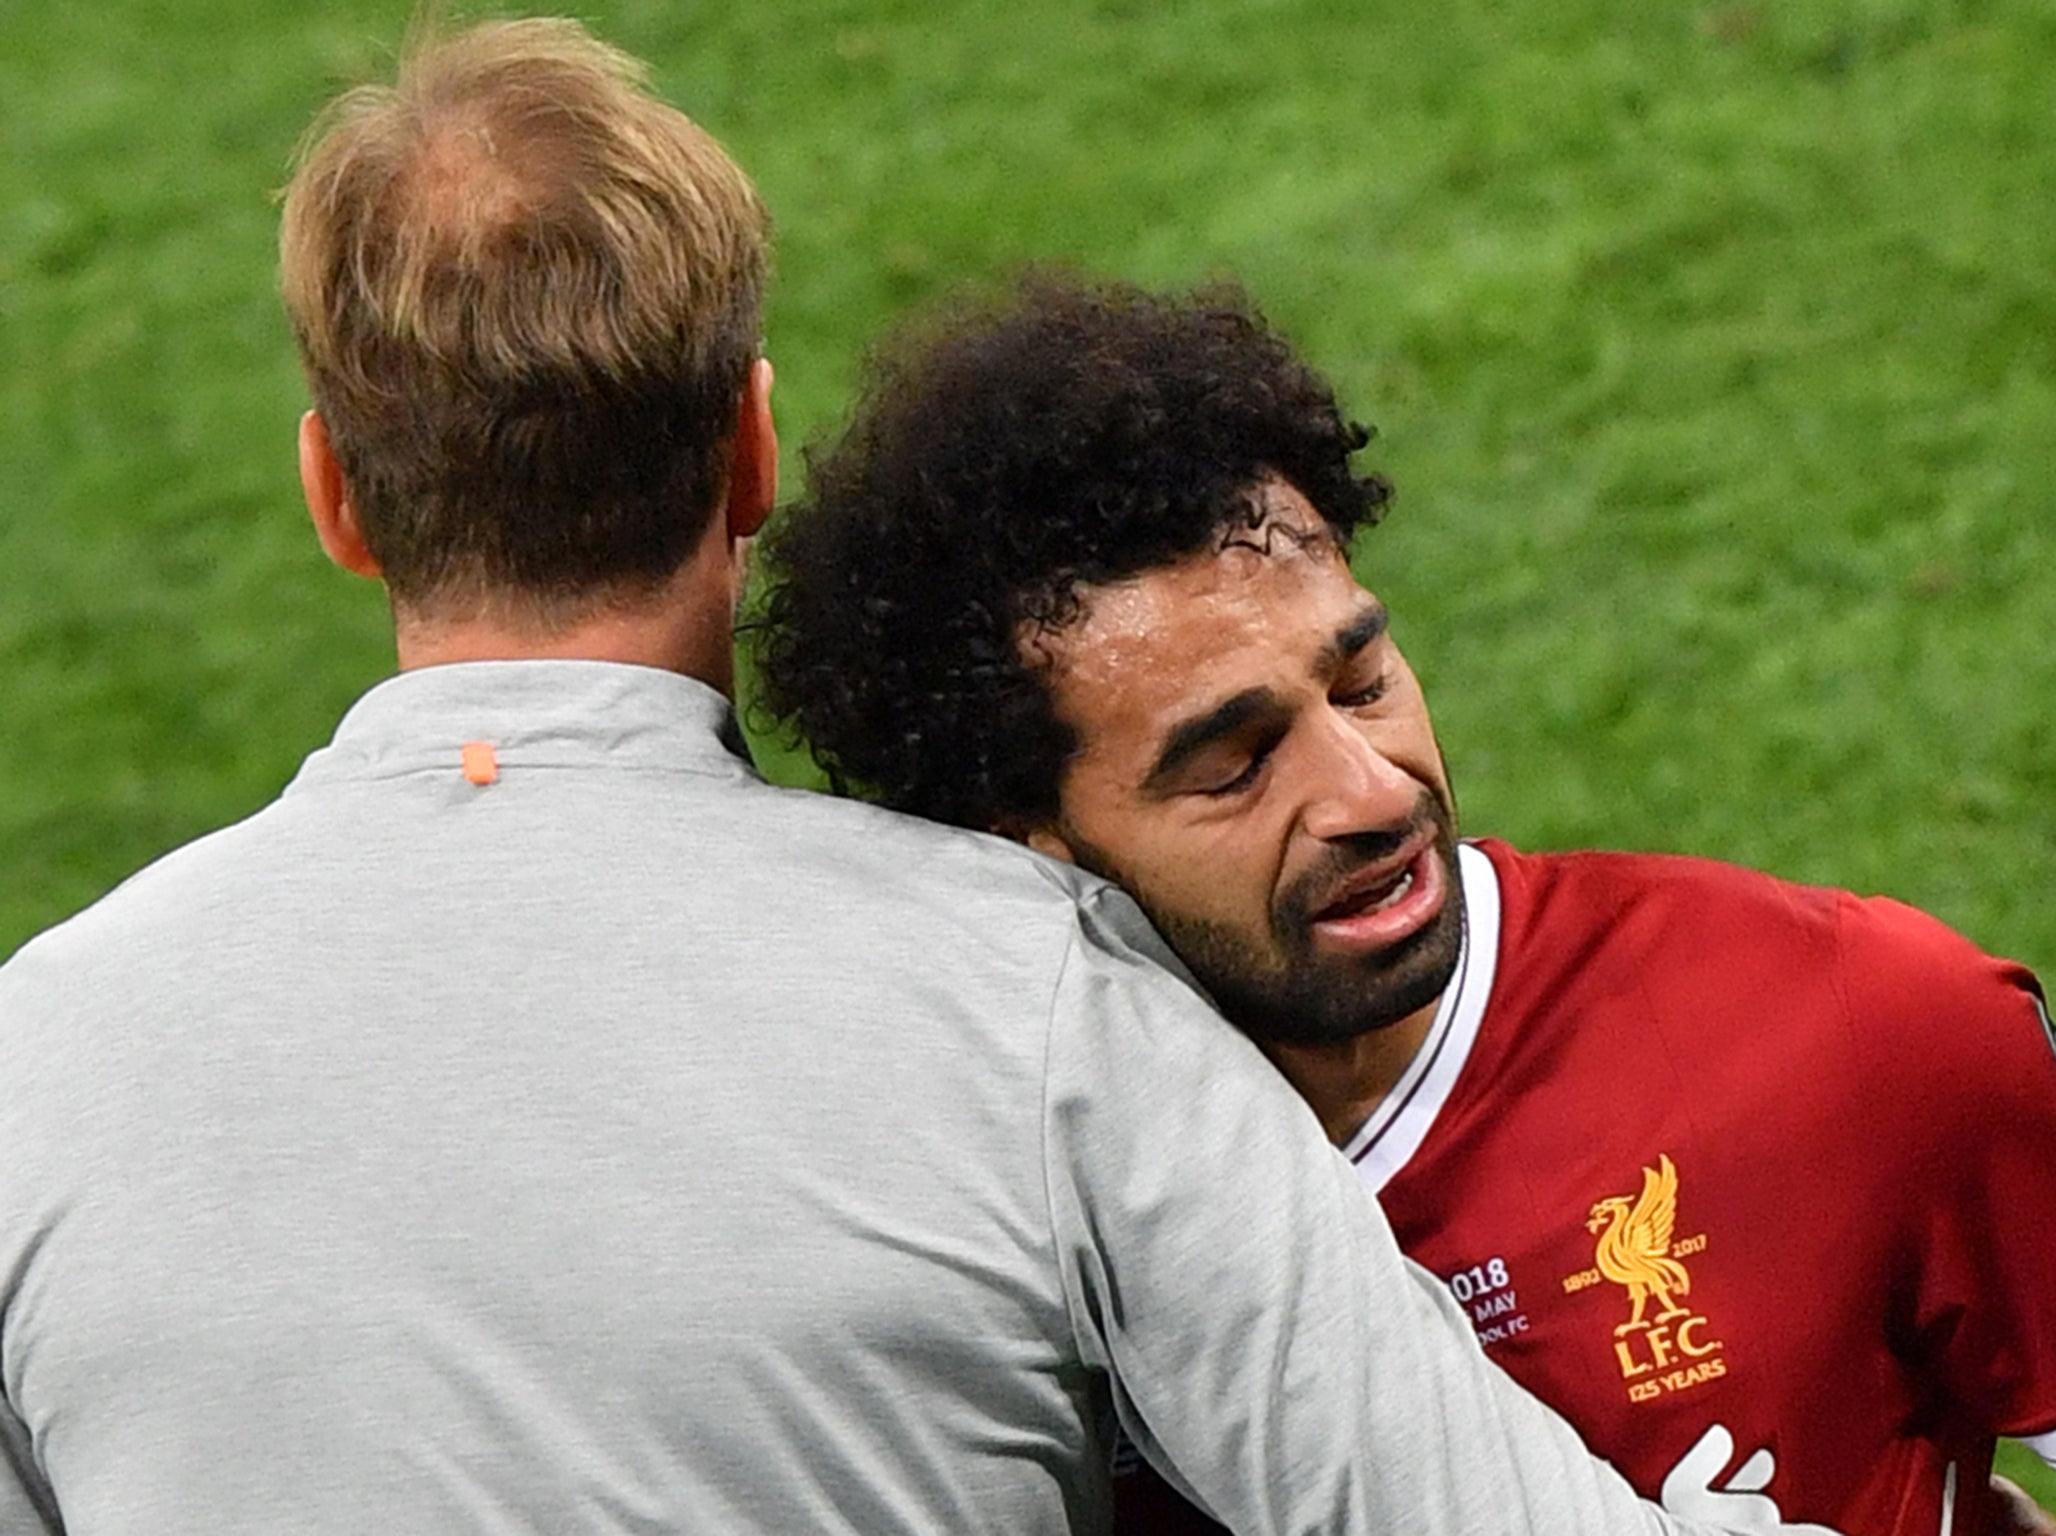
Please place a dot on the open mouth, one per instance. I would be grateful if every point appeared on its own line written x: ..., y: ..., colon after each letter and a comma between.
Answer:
x: 1376, y: 897
x: 1385, y: 904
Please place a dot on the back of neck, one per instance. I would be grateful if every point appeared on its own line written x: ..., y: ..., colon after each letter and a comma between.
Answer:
x: 686, y: 625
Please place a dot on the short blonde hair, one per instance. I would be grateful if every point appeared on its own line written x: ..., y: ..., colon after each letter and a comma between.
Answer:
x: 527, y: 295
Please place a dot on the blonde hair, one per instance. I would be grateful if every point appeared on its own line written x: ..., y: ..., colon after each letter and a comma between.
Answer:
x: 527, y: 295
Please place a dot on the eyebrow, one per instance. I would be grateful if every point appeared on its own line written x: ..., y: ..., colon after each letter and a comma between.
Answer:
x: 1354, y: 636
x: 1191, y: 737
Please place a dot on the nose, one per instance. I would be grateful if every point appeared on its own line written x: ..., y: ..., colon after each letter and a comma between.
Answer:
x: 1355, y: 786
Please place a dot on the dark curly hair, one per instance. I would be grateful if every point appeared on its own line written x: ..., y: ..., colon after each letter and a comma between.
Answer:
x: 1001, y: 457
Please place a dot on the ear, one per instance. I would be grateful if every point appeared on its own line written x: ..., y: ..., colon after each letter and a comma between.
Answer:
x: 328, y: 500
x: 1044, y: 840
x: 753, y: 457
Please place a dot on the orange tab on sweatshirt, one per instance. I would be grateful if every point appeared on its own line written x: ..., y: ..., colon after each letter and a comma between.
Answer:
x: 481, y: 766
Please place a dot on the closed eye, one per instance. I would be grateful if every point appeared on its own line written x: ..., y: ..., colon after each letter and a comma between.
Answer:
x: 1251, y: 771
x: 1356, y: 651
x: 1369, y: 693
x: 1200, y: 749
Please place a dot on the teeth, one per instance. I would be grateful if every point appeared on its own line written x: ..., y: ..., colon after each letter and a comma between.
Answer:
x: 1358, y: 905
x: 1399, y: 889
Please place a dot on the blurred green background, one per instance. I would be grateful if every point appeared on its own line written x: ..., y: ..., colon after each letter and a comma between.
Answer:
x: 1713, y: 348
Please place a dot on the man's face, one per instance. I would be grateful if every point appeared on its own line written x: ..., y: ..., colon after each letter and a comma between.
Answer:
x: 1256, y: 767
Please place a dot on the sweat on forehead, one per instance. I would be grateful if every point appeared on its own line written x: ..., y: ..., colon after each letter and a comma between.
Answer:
x: 1250, y: 578
x: 1273, y: 520
x: 1270, y: 521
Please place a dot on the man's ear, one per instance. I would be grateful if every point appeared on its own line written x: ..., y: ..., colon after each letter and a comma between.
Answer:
x: 753, y: 457
x: 328, y: 500
x: 1044, y: 840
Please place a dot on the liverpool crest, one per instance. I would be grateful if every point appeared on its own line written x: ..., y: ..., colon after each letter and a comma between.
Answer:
x: 1635, y: 1245
x: 1663, y: 1345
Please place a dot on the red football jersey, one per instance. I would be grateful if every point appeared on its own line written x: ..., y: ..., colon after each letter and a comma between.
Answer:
x: 1749, y: 1180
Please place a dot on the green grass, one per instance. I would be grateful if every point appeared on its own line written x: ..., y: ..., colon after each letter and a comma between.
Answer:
x: 1713, y: 349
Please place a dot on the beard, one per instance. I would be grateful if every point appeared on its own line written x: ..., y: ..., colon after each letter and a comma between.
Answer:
x: 1280, y: 989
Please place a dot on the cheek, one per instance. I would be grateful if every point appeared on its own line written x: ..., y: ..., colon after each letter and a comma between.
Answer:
x: 1224, y: 873
x: 1414, y: 737
x: 1219, y: 864
x: 1424, y: 755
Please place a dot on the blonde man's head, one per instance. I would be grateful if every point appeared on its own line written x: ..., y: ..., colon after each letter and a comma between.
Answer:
x: 527, y: 296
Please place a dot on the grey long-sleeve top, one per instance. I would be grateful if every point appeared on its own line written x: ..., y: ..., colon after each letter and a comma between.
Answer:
x: 619, y: 1144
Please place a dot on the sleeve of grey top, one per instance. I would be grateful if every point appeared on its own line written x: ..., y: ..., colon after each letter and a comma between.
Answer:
x: 1271, y: 1350
x: 25, y: 1507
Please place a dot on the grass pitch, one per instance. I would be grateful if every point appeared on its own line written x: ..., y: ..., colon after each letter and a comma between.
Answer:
x: 1713, y: 348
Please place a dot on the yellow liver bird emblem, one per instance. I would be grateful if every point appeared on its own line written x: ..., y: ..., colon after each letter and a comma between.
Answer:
x: 1635, y: 1243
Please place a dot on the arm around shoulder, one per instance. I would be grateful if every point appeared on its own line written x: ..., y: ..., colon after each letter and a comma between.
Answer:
x: 1269, y: 1348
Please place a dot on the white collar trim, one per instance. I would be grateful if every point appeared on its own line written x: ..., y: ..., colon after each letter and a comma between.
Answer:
x: 1397, y: 1127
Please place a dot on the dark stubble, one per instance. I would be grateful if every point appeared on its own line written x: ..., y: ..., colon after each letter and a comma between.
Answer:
x: 1279, y: 988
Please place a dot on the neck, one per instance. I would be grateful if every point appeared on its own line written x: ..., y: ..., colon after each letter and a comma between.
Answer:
x: 685, y: 625
x: 1345, y: 1081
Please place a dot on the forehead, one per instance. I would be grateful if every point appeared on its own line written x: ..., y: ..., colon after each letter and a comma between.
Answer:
x: 1258, y: 611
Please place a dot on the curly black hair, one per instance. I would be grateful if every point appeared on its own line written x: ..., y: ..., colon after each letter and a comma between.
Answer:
x: 1001, y: 457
